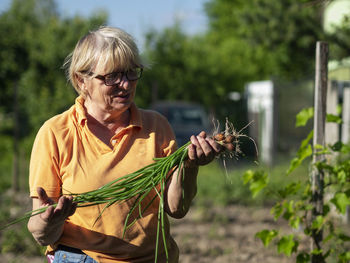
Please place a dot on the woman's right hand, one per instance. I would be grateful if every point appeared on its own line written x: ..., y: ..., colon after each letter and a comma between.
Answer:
x: 47, y: 227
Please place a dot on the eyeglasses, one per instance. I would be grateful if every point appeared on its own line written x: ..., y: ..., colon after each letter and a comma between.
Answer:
x: 115, y: 78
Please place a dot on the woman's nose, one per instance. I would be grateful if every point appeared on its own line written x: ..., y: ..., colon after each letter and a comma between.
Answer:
x: 124, y: 82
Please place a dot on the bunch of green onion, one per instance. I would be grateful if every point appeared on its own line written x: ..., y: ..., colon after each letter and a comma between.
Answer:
x: 137, y: 184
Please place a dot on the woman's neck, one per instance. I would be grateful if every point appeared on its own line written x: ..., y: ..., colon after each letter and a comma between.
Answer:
x: 112, y: 120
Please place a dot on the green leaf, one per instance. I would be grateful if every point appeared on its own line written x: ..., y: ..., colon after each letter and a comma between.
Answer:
x: 344, y: 257
x: 277, y: 210
x: 341, y: 201
x: 303, y: 116
x: 257, y: 181
x: 302, y: 154
x: 317, y: 222
x: 290, y: 189
x: 304, y: 151
x: 266, y: 236
x: 287, y: 245
x: 303, y: 258
x: 333, y: 118
x: 248, y: 175
x: 341, y: 147
x: 294, y: 222
x: 341, y: 176
x: 344, y: 237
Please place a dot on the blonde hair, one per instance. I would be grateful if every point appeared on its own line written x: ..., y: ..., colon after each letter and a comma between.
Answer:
x: 106, y: 49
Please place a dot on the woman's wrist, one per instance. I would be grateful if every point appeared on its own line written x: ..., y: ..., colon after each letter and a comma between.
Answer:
x: 44, y: 232
x: 189, y: 164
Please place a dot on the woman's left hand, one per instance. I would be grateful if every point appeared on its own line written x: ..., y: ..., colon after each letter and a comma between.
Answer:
x: 202, y: 150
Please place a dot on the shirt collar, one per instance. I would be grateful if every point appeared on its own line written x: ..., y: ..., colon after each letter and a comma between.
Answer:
x: 135, y: 114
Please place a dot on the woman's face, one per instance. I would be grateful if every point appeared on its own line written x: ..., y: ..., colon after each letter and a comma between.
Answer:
x: 117, y: 97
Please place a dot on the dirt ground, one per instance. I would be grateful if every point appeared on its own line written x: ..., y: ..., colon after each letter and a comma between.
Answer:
x: 220, y: 235
x: 215, y: 235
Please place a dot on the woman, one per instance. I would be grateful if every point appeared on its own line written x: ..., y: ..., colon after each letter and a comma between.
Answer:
x: 104, y: 136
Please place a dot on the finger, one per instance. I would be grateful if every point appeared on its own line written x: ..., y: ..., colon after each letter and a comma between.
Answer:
x: 61, y: 206
x: 64, y: 207
x: 205, y: 148
x: 202, y: 134
x: 191, y: 152
x: 47, y: 215
x: 44, y: 199
x: 73, y: 209
x: 216, y: 146
x: 69, y: 208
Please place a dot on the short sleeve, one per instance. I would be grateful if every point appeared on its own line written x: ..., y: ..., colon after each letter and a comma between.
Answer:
x: 44, y: 164
x: 166, y: 132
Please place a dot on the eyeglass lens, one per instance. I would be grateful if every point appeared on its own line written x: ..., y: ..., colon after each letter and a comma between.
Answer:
x: 116, y: 77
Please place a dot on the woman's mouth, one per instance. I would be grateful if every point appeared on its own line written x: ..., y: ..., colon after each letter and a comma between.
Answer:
x: 121, y: 96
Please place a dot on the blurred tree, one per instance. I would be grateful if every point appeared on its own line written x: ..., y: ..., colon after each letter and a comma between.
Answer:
x: 279, y: 36
x: 35, y: 41
x: 339, y: 40
x: 191, y: 68
x: 179, y: 67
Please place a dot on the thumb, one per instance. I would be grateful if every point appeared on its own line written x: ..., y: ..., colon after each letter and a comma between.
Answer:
x: 43, y: 198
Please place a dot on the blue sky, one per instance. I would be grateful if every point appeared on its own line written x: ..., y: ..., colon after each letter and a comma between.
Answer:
x: 138, y: 16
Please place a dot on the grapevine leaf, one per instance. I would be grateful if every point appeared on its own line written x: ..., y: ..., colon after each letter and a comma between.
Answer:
x: 287, y: 245
x: 277, y: 210
x: 248, y: 175
x: 303, y: 258
x: 294, y: 222
x: 304, y: 151
x: 266, y: 236
x: 257, y: 180
x: 290, y: 189
x: 303, y: 116
x: 341, y: 201
x: 344, y: 237
x: 317, y: 222
x: 333, y: 118
x: 344, y: 257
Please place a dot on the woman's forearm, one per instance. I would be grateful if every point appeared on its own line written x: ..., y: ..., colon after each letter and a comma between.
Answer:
x: 181, y: 190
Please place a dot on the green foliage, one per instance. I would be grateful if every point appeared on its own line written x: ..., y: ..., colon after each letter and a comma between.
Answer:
x: 294, y: 201
x: 32, y: 53
x: 304, y: 151
x: 266, y: 236
x: 341, y: 201
x: 257, y: 181
x: 279, y: 36
x: 287, y: 245
x: 303, y: 116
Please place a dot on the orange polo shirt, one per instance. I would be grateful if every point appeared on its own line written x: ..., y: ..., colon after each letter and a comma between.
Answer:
x: 68, y: 158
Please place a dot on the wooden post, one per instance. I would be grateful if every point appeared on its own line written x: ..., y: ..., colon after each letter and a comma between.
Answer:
x: 317, y: 177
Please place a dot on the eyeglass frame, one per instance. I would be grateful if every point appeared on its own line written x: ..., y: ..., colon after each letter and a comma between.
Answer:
x: 123, y: 73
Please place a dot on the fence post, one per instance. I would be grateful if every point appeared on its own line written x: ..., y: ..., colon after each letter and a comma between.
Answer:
x: 317, y: 177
